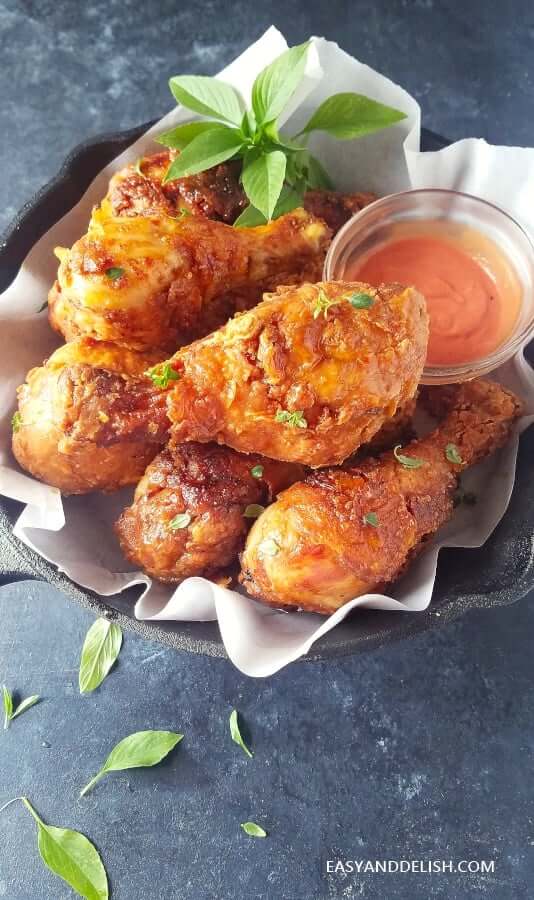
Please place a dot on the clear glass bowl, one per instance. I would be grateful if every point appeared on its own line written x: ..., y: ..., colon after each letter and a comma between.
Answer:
x: 377, y: 223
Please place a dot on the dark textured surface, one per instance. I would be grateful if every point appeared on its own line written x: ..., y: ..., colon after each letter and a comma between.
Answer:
x: 420, y: 750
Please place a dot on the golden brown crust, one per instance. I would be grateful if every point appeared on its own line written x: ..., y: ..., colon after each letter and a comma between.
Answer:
x: 314, y: 548
x: 336, y: 208
x: 89, y: 418
x: 156, y: 281
x: 346, y: 372
x: 212, y: 486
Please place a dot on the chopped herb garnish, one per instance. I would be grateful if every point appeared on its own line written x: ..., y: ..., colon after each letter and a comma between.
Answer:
x: 253, y: 830
x: 114, y: 273
x: 323, y: 304
x: 409, y: 462
x: 162, y: 374
x: 257, y: 472
x: 361, y: 301
x: 253, y: 510
x: 451, y: 453
x: 370, y: 518
x: 268, y: 547
x: 16, y: 421
x: 294, y: 419
x: 182, y: 520
x: 236, y: 734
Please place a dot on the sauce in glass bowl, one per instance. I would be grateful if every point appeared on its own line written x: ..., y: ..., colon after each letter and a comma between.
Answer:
x: 471, y: 260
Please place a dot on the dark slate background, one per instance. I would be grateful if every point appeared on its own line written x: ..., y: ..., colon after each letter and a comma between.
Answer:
x: 422, y: 750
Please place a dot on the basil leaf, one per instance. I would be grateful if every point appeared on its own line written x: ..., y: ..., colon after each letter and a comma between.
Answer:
x: 408, y: 462
x: 100, y: 650
x: 276, y: 84
x: 317, y: 176
x: 71, y: 856
x: 370, y: 518
x: 162, y: 373
x: 208, y: 96
x: 253, y: 830
x: 263, y: 180
x: 179, y: 137
x: 288, y: 200
x: 253, y: 510
x: 25, y: 704
x: 361, y: 301
x: 350, y: 115
x: 138, y: 750
x: 236, y: 734
x: 257, y: 471
x: 452, y: 454
x: 182, y: 520
x: 206, y: 150
x: 8, y: 706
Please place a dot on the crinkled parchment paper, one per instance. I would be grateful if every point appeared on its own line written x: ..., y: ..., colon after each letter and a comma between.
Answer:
x: 69, y: 532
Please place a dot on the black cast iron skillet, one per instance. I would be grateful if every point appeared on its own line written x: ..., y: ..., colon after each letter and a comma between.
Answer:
x: 497, y: 574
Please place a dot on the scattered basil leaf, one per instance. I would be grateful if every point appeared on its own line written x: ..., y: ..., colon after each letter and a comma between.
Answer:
x: 349, y: 115
x: 16, y: 421
x: 101, y: 648
x: 205, y: 151
x: 294, y: 419
x: 253, y: 830
x: 409, y: 462
x: 263, y: 179
x: 323, y: 304
x: 8, y: 706
x: 276, y: 84
x: 370, y: 518
x: 9, y: 712
x: 179, y: 137
x: 268, y: 547
x: 257, y: 471
x: 114, y: 272
x: 208, y: 96
x: 138, y: 750
x: 253, y: 510
x: 452, y: 454
x: 182, y: 520
x: 236, y: 734
x: 71, y: 856
x: 162, y: 374
x: 361, y: 301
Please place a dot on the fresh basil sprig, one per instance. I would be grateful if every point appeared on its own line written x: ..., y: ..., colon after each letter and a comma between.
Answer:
x: 137, y: 750
x: 71, y: 856
x: 11, y: 713
x: 100, y: 649
x: 277, y: 170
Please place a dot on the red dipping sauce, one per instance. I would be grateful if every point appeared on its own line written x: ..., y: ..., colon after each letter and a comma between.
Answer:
x: 472, y: 292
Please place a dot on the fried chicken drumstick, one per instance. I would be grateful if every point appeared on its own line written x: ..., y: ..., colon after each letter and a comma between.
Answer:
x: 89, y: 419
x: 160, y: 281
x: 307, y: 376
x: 339, y: 534
x: 191, y: 514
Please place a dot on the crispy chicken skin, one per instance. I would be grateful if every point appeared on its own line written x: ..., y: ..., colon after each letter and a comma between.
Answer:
x: 341, y: 372
x: 215, y: 194
x: 158, y: 281
x: 314, y: 549
x: 89, y: 418
x: 213, y: 485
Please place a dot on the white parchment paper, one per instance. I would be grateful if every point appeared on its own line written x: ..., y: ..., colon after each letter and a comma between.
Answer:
x: 75, y: 533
